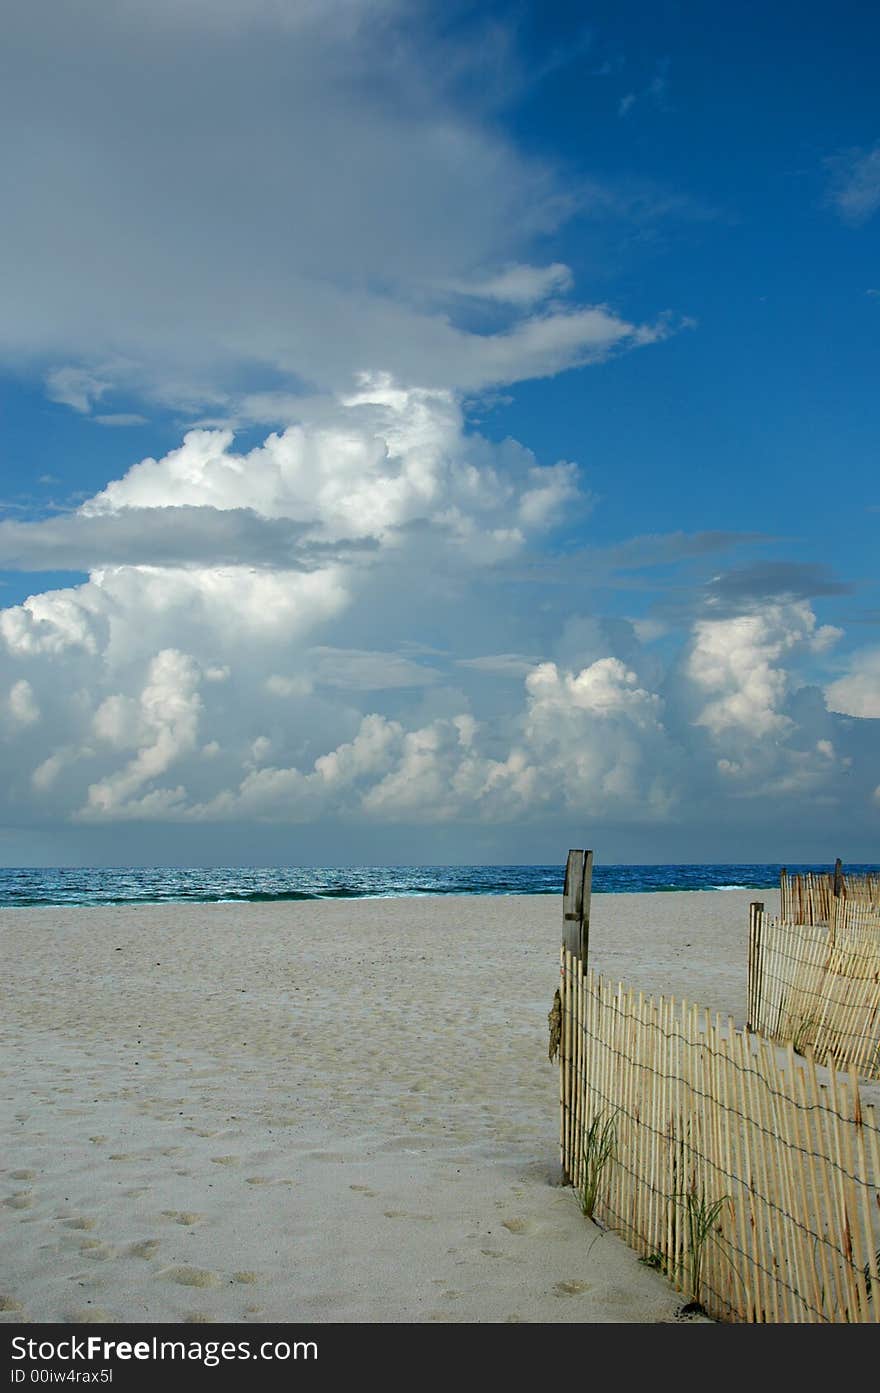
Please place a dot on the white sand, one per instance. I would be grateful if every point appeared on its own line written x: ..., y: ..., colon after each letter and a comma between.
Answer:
x: 340, y: 1111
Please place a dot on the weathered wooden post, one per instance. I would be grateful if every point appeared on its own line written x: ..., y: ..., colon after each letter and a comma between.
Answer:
x: 838, y: 879
x: 836, y: 909
x: 576, y: 905
x: 756, y: 963
x: 575, y: 947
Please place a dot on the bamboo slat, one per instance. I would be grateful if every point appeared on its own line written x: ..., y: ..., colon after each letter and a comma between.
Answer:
x: 817, y: 990
x: 704, y: 1112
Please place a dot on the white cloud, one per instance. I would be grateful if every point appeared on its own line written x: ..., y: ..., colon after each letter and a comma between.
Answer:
x: 544, y: 345
x: 386, y: 457
x: 22, y: 705
x: 51, y: 623
x: 590, y: 739
x: 857, y: 693
x: 521, y: 285
x: 45, y: 774
x: 602, y: 737
x: 196, y: 693
x: 163, y: 726
x: 122, y: 611
x: 737, y: 662
x: 551, y: 489
x: 316, y: 163
x: 121, y: 418
x: 75, y: 387
x: 597, y: 740
x: 260, y: 749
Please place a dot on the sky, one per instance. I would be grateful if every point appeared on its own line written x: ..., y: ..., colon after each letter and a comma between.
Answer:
x: 439, y: 433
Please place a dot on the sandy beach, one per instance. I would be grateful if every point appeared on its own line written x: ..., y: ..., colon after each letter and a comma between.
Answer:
x: 335, y: 1111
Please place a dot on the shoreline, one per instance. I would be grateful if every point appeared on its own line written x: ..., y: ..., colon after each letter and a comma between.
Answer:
x: 336, y: 1110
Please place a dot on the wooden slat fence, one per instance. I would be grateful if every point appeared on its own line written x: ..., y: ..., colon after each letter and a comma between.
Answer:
x: 809, y: 898
x: 747, y: 1180
x: 819, y: 987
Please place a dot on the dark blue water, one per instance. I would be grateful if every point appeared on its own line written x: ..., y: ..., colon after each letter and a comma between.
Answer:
x: 161, y: 885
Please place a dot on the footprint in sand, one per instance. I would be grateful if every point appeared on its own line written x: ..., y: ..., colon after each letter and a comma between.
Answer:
x: 247, y: 1278
x: 190, y: 1276
x: 90, y: 1315
x: 362, y: 1189
x: 198, y: 1318
x: 403, y: 1214
x: 96, y: 1250
x: 22, y: 1175
x: 571, y: 1288
x: 226, y: 1160
x: 9, y: 1303
x: 182, y: 1216
x: 23, y: 1200
x: 518, y: 1225
x: 79, y: 1223
x: 147, y: 1248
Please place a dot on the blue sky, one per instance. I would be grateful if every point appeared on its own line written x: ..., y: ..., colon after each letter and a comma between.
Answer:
x: 439, y: 435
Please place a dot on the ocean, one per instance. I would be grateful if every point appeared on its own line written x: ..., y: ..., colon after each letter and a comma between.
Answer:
x: 28, y: 886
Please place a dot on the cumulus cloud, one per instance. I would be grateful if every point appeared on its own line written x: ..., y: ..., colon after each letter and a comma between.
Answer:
x: 389, y: 457
x: 161, y: 725
x: 126, y: 610
x: 172, y: 662
x: 603, y: 736
x: 331, y: 682
x: 549, y: 491
x: 737, y: 663
x: 593, y: 739
x: 857, y: 693
x: 22, y: 707
x: 589, y: 738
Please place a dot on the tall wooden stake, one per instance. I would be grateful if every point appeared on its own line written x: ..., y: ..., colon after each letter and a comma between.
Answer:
x: 576, y: 905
